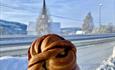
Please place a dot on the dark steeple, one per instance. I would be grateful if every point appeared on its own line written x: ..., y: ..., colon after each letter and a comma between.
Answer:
x: 42, y: 26
x: 44, y: 9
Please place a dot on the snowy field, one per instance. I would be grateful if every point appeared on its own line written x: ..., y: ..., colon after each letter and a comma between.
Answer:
x: 89, y: 58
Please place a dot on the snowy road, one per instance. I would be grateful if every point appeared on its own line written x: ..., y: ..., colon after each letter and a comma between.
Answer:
x: 89, y: 57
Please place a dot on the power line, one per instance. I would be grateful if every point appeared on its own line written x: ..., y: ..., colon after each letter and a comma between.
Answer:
x: 66, y: 18
x: 5, y: 5
x: 17, y: 8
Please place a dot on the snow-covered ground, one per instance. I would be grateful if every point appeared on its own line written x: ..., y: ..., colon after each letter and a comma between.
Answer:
x: 89, y: 58
x: 13, y: 63
x: 108, y: 64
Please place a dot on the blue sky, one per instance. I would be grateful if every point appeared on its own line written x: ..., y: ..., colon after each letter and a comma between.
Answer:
x: 73, y: 11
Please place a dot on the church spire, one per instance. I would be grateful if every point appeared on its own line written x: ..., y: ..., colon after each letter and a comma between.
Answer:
x: 42, y: 26
x: 44, y: 9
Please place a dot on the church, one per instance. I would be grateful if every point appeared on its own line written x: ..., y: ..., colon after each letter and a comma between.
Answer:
x: 43, y: 25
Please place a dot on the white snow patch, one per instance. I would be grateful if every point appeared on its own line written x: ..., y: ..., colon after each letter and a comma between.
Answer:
x: 13, y: 63
x: 113, y: 53
x: 108, y: 64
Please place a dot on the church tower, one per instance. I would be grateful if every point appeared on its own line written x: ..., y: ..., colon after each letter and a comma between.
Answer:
x: 42, y: 24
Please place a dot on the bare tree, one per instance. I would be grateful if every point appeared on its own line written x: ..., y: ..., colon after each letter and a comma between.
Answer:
x: 106, y: 28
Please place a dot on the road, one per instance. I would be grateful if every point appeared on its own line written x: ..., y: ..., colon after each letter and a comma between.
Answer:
x: 90, y: 57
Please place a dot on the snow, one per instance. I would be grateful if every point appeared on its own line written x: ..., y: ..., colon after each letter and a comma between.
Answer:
x: 113, y: 53
x: 108, y: 64
x: 13, y: 63
x: 80, y: 32
x: 85, y: 61
x: 20, y: 63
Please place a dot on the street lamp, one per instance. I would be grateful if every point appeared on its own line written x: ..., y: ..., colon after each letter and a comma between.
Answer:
x: 100, y: 6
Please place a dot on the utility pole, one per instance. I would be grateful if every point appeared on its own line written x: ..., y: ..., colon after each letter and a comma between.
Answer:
x: 100, y: 6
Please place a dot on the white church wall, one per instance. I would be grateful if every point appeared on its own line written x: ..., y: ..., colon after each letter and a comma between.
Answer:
x: 54, y: 27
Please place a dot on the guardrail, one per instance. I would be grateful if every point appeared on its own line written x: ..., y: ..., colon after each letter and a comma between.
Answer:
x: 20, y: 50
x: 27, y: 39
x: 2, y: 37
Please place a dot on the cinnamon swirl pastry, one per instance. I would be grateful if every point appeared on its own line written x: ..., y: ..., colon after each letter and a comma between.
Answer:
x: 52, y: 52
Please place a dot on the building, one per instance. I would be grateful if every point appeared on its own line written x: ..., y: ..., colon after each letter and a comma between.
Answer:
x: 54, y: 27
x: 43, y: 25
x: 70, y: 30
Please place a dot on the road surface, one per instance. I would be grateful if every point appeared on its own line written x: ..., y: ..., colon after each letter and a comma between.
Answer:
x: 90, y: 57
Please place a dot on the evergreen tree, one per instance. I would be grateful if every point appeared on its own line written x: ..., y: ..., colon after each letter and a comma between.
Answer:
x: 88, y: 25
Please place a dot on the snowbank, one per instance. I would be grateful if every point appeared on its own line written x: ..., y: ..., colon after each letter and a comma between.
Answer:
x: 108, y: 64
x: 113, y: 53
x: 13, y: 63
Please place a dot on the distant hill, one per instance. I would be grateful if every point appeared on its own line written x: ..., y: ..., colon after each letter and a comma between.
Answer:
x: 9, y: 27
